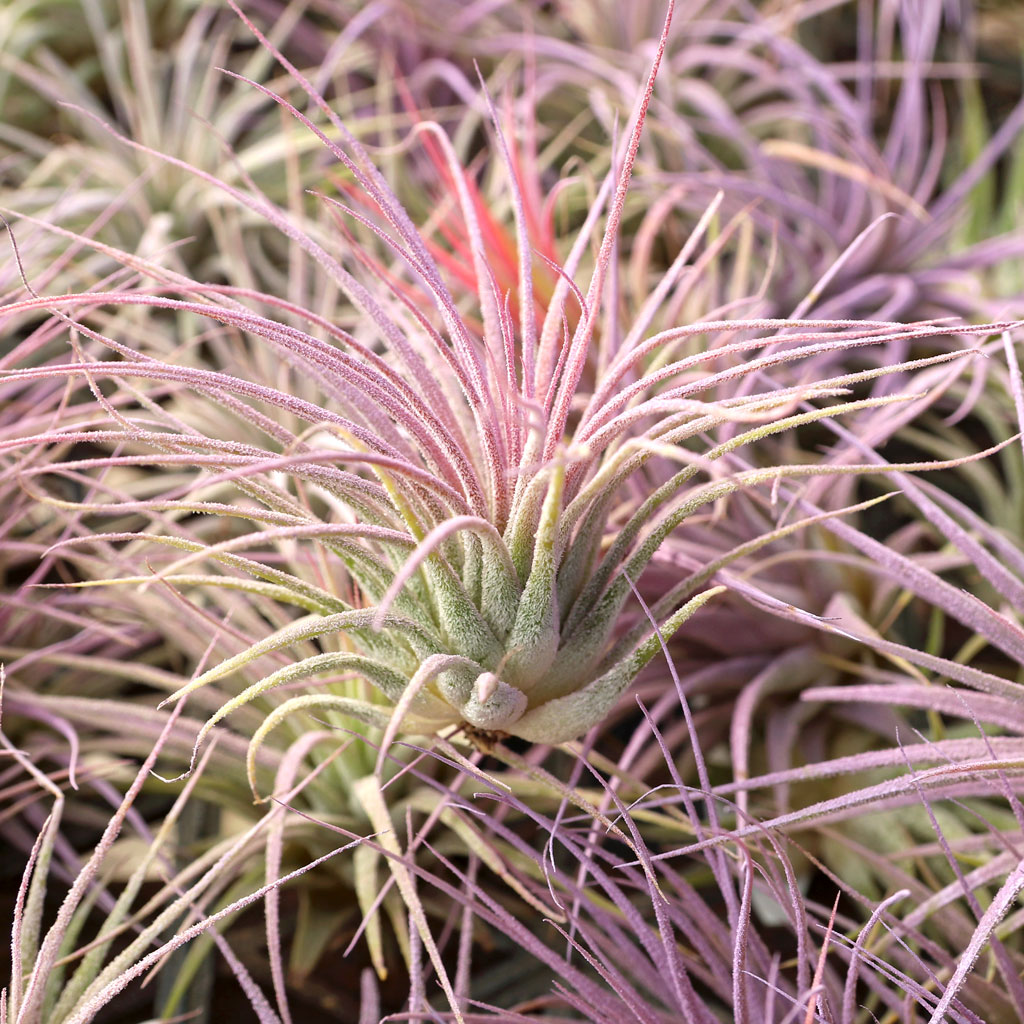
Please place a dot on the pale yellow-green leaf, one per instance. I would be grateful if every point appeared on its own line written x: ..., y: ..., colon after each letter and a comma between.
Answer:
x: 364, y: 867
x: 371, y: 798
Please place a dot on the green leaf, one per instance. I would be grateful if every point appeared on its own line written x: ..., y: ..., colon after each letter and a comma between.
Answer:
x: 564, y: 718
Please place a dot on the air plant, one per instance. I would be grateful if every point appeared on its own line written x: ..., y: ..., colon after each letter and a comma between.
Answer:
x: 60, y: 164
x: 472, y: 505
x: 873, y: 186
x: 69, y: 968
x: 488, y: 554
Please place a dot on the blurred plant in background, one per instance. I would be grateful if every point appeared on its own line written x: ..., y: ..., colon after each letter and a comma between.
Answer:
x: 404, y: 339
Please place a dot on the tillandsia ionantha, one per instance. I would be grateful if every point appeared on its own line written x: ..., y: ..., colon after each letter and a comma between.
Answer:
x: 481, y: 478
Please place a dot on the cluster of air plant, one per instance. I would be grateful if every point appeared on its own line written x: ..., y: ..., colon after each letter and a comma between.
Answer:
x: 473, y: 499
